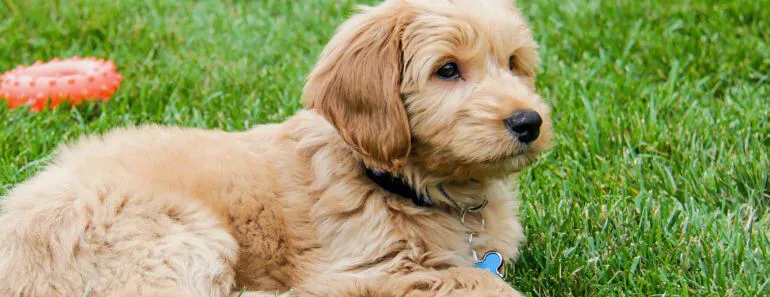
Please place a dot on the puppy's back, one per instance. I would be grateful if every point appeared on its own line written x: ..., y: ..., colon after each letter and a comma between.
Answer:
x: 108, y: 217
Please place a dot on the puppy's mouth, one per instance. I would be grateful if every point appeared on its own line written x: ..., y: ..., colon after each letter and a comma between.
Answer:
x: 523, y: 156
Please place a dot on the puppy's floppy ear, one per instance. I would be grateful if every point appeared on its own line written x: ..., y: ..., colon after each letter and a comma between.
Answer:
x: 356, y: 86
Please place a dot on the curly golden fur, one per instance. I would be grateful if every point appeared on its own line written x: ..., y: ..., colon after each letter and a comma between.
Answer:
x: 163, y: 211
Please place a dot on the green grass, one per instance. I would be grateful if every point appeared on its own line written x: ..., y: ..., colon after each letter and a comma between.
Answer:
x: 658, y: 183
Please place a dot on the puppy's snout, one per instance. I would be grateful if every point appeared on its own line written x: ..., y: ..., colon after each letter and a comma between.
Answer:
x: 524, y: 124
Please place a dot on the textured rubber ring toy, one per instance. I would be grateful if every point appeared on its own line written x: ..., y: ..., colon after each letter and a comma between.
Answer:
x: 72, y: 80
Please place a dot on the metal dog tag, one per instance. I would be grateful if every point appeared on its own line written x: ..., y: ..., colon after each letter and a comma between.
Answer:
x: 492, y: 262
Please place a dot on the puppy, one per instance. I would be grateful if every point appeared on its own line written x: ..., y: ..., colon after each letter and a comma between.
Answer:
x: 391, y: 182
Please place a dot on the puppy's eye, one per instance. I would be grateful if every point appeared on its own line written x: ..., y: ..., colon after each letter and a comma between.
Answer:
x: 448, y: 71
x: 517, y: 67
x: 512, y: 63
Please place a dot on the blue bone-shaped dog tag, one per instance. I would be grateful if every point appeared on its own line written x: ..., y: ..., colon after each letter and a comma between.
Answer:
x: 492, y: 262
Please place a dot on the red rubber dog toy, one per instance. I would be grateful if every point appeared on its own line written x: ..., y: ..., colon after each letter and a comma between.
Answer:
x: 73, y: 80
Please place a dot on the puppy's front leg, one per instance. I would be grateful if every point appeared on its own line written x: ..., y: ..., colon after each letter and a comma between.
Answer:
x: 452, y: 282
x: 458, y: 281
x: 262, y: 294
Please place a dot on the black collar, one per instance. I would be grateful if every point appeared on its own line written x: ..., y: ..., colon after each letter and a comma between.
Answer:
x: 399, y: 187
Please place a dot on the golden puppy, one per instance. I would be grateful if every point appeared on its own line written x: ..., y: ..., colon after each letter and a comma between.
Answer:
x: 418, y: 114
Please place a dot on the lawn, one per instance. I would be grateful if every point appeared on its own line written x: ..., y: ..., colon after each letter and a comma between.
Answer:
x: 658, y: 184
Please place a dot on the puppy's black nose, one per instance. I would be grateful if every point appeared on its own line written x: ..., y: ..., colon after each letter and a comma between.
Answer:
x: 525, y: 125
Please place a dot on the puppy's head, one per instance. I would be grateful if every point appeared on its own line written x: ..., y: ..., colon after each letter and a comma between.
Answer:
x: 446, y: 85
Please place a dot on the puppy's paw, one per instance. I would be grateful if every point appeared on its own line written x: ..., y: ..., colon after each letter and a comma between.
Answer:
x: 456, y: 282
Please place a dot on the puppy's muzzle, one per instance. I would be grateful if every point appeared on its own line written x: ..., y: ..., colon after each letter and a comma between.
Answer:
x: 524, y: 125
